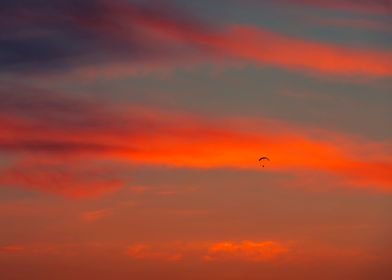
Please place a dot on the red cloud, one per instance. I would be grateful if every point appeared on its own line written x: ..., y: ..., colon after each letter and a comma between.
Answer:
x: 96, y: 215
x: 263, y: 46
x: 254, y: 44
x: 12, y: 249
x: 368, y: 6
x: 246, y: 251
x: 353, y: 23
x: 251, y: 251
x: 258, y: 44
x: 147, y: 252
x: 147, y: 35
x: 150, y: 136
x: 70, y: 179
x: 264, y: 251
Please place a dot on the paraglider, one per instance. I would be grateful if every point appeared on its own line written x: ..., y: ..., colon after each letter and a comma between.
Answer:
x: 263, y: 158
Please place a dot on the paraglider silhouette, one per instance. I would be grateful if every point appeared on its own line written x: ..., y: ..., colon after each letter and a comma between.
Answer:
x: 263, y: 158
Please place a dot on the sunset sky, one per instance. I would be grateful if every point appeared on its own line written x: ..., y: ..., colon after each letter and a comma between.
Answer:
x: 130, y: 133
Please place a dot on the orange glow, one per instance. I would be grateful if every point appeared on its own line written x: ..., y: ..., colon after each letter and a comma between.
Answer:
x: 246, y: 250
x: 12, y: 249
x: 195, y: 140
x: 69, y: 178
x: 263, y: 46
x: 253, y: 251
x: 96, y: 215
x: 143, y: 251
x: 153, y: 137
x: 251, y: 43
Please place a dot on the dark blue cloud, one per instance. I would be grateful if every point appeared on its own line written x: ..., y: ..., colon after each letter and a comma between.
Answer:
x: 41, y: 34
x: 56, y: 35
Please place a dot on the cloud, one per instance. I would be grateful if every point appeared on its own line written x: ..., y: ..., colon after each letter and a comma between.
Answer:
x: 263, y: 46
x: 63, y: 153
x: 138, y: 189
x: 252, y: 252
x: 150, y: 36
x: 246, y: 251
x: 95, y: 215
x: 366, y: 24
x: 12, y: 249
x: 55, y: 249
x: 365, y: 6
x: 71, y: 179
x: 147, y: 252
x: 60, y: 35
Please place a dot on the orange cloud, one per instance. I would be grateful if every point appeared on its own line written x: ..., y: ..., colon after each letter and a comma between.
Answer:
x: 367, y: 6
x: 150, y: 136
x: 264, y: 251
x: 147, y: 252
x: 352, y: 23
x: 138, y: 189
x: 12, y: 248
x: 96, y: 215
x: 252, y: 251
x: 263, y: 46
x: 246, y: 251
x: 57, y: 249
x: 70, y: 179
x: 259, y: 45
x: 154, y: 36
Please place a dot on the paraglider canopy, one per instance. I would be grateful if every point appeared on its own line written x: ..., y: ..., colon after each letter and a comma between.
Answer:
x: 263, y: 158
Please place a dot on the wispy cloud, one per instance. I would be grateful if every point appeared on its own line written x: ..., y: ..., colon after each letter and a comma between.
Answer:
x: 218, y: 251
x: 364, y: 6
x: 263, y: 46
x: 358, y: 23
x: 147, y: 252
x: 246, y: 251
x: 67, y: 35
x: 253, y: 251
x: 95, y: 215
x: 146, y: 36
x: 12, y: 249
x: 66, y: 143
x: 68, y: 178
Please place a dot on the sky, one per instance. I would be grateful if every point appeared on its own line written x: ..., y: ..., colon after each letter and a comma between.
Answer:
x: 131, y: 132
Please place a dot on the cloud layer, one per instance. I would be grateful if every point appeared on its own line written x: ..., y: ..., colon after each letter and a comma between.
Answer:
x: 71, y: 135
x: 67, y: 36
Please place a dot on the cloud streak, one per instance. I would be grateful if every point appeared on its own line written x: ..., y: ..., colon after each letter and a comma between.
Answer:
x: 12, y: 249
x: 68, y: 146
x: 143, y: 251
x: 91, y: 216
x: 158, y: 36
x: 263, y: 46
x: 363, y: 24
x: 364, y: 6
x: 64, y: 35
x: 246, y: 251
x: 71, y: 179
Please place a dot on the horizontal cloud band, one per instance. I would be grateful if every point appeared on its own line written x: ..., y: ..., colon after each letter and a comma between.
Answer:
x: 92, y: 132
